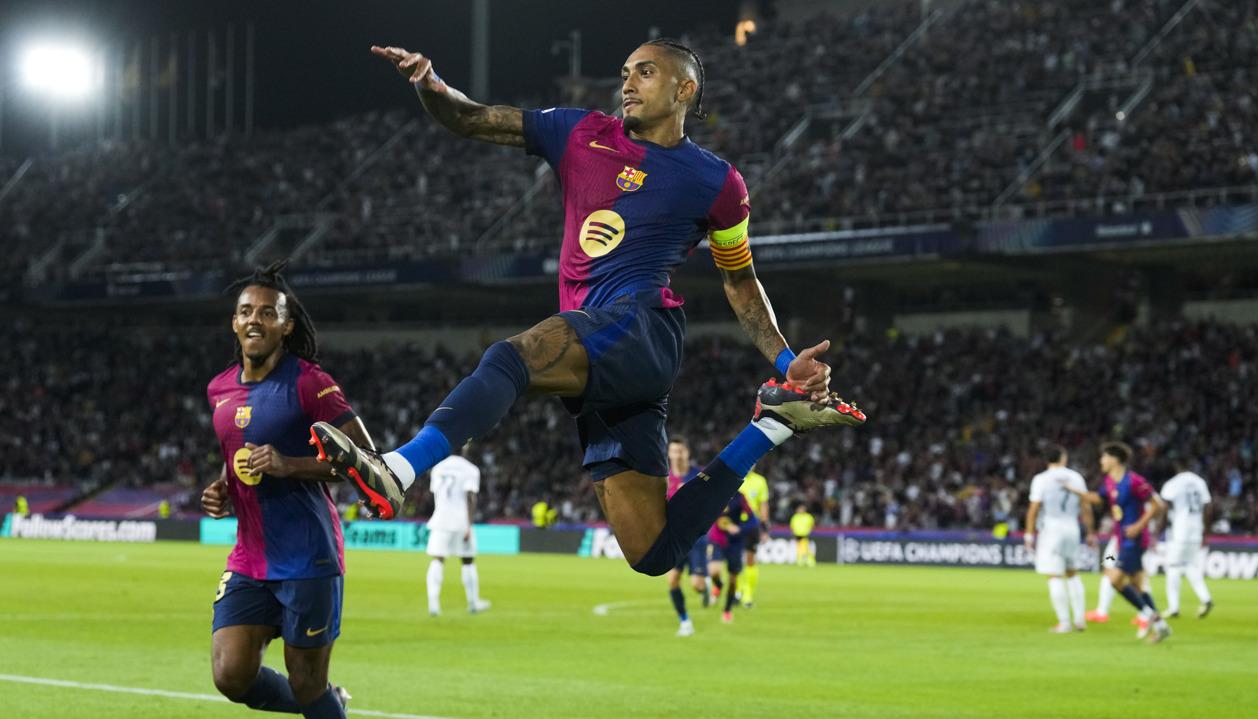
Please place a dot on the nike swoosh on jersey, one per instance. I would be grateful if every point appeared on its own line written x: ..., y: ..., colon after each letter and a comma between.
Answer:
x: 222, y: 402
x: 314, y: 633
x: 595, y: 143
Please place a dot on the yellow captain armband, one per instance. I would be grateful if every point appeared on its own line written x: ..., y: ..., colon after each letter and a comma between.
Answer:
x: 731, y: 249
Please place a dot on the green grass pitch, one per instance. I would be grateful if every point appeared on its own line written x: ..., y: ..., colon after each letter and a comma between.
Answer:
x: 829, y: 642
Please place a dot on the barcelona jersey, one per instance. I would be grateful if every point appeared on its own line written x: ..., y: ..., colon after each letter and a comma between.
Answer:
x: 740, y: 512
x: 286, y: 528
x: 676, y: 480
x: 1127, y: 498
x: 634, y: 210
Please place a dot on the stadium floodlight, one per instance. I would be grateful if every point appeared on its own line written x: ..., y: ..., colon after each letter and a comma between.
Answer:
x: 59, y: 71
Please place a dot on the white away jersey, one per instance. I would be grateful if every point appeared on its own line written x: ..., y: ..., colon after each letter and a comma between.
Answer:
x: 452, y: 479
x: 1188, y: 495
x: 1058, y: 507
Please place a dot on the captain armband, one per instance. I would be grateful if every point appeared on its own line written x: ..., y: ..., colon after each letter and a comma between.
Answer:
x: 730, y: 248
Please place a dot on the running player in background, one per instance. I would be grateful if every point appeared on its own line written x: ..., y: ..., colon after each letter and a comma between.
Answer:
x: 638, y: 197
x: 1133, y: 504
x: 283, y: 577
x: 802, y: 524
x: 1189, y: 498
x: 725, y: 547
x: 1052, y: 532
x: 756, y: 489
x: 1105, y: 589
x: 681, y: 471
x: 455, y: 484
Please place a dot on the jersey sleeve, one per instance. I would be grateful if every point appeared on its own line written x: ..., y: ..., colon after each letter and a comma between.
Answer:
x: 1168, y: 491
x: 321, y: 397
x: 472, y: 482
x: 1037, y: 490
x: 546, y: 132
x: 727, y: 224
x: 1205, y: 493
x: 1141, y: 488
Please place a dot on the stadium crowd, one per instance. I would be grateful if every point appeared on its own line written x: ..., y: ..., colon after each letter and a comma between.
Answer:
x: 952, y: 442
x: 941, y: 132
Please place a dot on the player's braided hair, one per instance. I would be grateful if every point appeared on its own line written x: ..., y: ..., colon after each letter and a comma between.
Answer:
x: 691, y: 58
x: 303, y: 341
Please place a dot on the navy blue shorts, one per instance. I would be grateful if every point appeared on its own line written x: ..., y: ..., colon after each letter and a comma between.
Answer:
x: 696, y: 560
x: 751, y: 537
x: 1130, y: 558
x: 634, y: 346
x: 306, y: 612
x: 731, y: 555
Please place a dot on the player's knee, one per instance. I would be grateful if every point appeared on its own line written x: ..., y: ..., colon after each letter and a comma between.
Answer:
x: 468, y: 561
x: 232, y: 682
x: 655, y: 561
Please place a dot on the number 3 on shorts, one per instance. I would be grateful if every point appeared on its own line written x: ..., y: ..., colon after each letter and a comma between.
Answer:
x: 222, y: 585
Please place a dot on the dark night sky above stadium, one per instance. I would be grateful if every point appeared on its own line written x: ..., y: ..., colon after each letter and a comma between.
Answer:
x: 313, y: 60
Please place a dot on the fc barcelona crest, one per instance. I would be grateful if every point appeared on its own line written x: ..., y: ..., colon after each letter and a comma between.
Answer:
x: 631, y: 179
x: 243, y: 415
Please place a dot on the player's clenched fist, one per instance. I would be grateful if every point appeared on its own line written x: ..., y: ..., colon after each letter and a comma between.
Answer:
x: 410, y: 65
x: 267, y: 460
x: 215, y: 501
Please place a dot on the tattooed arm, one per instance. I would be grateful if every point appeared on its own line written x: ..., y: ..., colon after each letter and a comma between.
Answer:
x: 750, y: 304
x: 499, y: 124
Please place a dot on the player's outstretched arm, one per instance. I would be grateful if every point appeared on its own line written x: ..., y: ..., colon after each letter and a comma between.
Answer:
x: 499, y: 124
x: 751, y: 305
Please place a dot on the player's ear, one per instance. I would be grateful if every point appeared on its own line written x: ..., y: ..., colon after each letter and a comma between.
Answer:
x: 686, y: 90
x: 288, y: 326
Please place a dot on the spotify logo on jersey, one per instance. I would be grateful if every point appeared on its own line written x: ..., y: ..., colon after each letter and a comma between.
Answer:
x: 601, y: 232
x: 240, y: 462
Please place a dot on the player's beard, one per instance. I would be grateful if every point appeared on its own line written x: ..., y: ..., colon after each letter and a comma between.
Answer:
x: 632, y: 123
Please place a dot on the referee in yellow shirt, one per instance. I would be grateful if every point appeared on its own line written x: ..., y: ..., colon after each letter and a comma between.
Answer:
x: 801, y: 526
x: 756, y: 489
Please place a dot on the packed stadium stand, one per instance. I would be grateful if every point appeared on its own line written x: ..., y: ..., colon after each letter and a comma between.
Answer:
x: 954, y: 440
x: 887, y: 116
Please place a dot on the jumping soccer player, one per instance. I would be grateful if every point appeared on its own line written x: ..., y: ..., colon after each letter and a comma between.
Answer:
x: 681, y: 471
x: 455, y: 484
x: 1133, y: 504
x: 756, y: 489
x: 1052, y: 532
x: 283, y: 577
x: 725, y: 547
x: 638, y: 197
x: 1189, y: 497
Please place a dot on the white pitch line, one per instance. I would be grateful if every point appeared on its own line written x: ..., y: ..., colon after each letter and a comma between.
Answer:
x: 602, y: 610
x: 174, y: 695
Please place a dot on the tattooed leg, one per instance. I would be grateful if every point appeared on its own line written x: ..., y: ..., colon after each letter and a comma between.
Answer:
x: 556, y: 361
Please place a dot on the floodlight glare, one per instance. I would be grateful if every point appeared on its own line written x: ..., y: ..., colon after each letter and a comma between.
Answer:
x: 59, y: 71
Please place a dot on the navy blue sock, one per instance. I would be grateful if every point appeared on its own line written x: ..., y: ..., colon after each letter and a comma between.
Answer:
x: 729, y: 596
x: 1148, y: 601
x: 1131, y: 594
x: 478, y: 403
x: 327, y: 706
x: 679, y: 603
x: 693, y: 509
x: 270, y: 692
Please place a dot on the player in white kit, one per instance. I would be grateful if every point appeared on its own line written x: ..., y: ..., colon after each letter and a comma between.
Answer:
x: 1058, y: 512
x: 1189, y: 497
x: 455, y: 484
